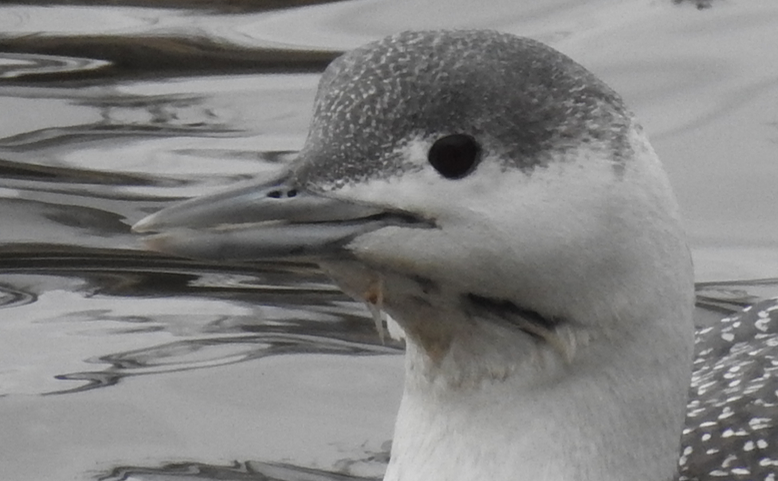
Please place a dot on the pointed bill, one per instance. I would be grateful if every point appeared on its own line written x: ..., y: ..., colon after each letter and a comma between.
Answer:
x: 266, y: 220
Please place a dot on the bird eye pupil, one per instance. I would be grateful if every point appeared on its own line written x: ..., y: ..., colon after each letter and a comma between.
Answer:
x: 454, y: 156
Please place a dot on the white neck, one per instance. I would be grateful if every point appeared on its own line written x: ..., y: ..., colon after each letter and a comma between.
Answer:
x: 500, y: 406
x: 597, y: 245
x: 573, y: 431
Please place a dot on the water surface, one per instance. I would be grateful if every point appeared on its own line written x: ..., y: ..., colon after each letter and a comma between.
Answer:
x: 120, y: 364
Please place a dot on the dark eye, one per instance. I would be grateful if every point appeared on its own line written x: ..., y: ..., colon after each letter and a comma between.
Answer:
x: 454, y: 156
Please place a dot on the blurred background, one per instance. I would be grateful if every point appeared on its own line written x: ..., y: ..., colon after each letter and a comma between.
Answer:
x: 118, y: 364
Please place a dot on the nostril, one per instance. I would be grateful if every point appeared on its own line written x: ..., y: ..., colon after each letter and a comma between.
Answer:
x: 291, y: 193
x: 275, y: 194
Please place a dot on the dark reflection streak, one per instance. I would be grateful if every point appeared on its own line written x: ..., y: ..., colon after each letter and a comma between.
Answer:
x: 130, y: 273
x: 11, y: 297
x: 220, y: 6
x: 700, y: 4
x: 155, y: 56
x: 767, y: 281
x: 31, y: 257
x: 161, y: 283
x: 722, y: 307
x: 191, y: 471
x: 35, y: 64
x: 280, y: 344
x: 238, y: 471
x: 139, y: 330
x: 98, y: 131
x: 152, y: 116
x: 143, y: 274
x: 728, y: 297
x: 137, y: 276
x: 94, y: 380
x: 104, y: 191
x: 23, y: 170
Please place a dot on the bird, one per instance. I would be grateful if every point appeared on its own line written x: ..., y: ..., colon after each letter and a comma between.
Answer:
x: 505, y: 207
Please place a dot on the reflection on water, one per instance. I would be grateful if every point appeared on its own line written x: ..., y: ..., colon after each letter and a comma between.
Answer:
x: 78, y: 320
x: 231, y: 314
x: 98, y: 130
x: 237, y: 472
x: 67, y: 58
x: 118, y: 364
x: 10, y: 297
x: 20, y: 65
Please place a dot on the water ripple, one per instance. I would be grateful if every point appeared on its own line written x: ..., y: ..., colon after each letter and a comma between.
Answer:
x: 10, y: 297
x: 238, y: 471
x: 149, y: 55
x: 211, y: 352
x: 16, y: 65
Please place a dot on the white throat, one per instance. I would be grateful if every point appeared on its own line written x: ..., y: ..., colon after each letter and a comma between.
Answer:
x: 600, y: 396
x: 602, y: 416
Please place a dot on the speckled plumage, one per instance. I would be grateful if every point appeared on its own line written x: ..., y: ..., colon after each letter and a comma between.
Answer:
x: 731, y: 430
x: 518, y: 96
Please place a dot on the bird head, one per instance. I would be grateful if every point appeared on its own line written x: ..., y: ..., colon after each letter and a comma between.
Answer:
x: 479, y: 165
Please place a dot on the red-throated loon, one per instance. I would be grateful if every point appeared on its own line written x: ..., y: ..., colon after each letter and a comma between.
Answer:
x: 505, y: 207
